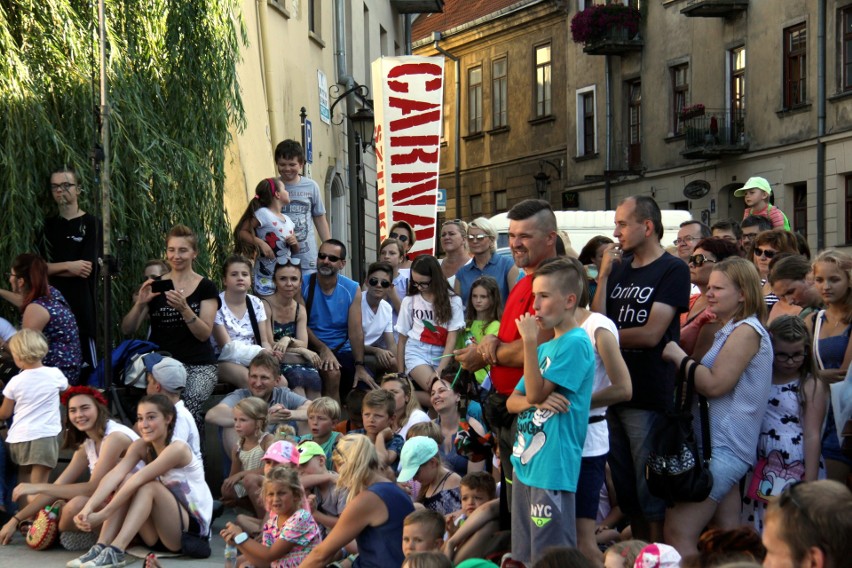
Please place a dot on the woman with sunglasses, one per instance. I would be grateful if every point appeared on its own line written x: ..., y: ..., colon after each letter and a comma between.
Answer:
x: 764, y: 248
x: 482, y: 242
x: 377, y: 317
x: 707, y: 253
x: 290, y: 332
x: 736, y: 377
x: 404, y: 234
x: 830, y: 330
x: 454, y: 243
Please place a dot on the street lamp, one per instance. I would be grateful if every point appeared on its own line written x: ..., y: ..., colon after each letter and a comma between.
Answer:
x: 362, y: 119
x: 542, y: 179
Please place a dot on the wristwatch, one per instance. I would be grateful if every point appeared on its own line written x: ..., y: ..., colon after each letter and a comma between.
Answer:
x: 241, y: 538
x: 359, y: 364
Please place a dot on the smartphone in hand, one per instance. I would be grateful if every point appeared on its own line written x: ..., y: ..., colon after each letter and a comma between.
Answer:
x: 162, y: 285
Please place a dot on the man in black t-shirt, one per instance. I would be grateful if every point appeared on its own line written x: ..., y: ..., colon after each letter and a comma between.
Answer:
x: 642, y: 289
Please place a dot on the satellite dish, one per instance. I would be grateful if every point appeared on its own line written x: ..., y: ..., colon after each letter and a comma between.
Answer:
x: 696, y: 189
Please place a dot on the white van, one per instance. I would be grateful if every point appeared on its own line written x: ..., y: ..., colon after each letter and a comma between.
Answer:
x: 583, y: 225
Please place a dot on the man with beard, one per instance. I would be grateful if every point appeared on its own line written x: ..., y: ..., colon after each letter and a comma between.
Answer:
x: 333, y: 304
x: 643, y: 293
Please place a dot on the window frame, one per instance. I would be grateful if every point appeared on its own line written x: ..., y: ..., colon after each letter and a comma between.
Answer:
x: 474, y: 101
x: 634, y: 123
x: 845, y: 57
x: 848, y: 202
x: 800, y: 208
x: 584, y: 118
x: 500, y: 94
x: 543, y: 90
x: 795, y: 59
x: 680, y: 94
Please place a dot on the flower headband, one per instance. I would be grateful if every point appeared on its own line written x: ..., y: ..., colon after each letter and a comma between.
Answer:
x: 88, y: 391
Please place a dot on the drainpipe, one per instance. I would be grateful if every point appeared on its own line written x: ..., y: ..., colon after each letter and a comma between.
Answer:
x: 436, y: 36
x: 356, y: 204
x: 608, y: 158
x: 265, y: 63
x: 820, y: 147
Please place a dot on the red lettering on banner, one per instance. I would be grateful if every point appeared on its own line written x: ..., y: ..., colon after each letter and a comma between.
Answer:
x: 434, y: 84
x: 415, y: 69
x: 422, y: 200
x: 414, y: 140
x: 407, y: 106
x: 416, y: 120
x: 416, y: 155
x: 398, y: 86
x: 378, y: 144
x: 415, y: 190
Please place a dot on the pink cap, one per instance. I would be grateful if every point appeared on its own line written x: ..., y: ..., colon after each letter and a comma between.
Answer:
x: 282, y: 452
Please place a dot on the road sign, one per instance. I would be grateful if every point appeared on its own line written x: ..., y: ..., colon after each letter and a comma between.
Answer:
x: 442, y: 200
x: 309, y: 142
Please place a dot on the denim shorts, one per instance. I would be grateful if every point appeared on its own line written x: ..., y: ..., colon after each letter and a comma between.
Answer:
x: 418, y: 353
x: 592, y: 477
x: 727, y: 470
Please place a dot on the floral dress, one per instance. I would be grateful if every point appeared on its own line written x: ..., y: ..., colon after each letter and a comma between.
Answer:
x: 302, y: 375
x: 62, y: 334
x: 300, y: 528
x: 780, y: 451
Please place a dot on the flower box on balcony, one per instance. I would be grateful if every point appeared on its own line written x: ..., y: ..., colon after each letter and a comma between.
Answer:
x: 607, y: 29
x: 692, y: 111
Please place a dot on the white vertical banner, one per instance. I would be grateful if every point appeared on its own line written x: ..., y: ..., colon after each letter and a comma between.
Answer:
x: 408, y: 93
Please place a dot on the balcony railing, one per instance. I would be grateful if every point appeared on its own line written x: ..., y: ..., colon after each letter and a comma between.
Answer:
x: 717, y: 133
x: 617, y: 41
x: 626, y: 158
x: 714, y: 8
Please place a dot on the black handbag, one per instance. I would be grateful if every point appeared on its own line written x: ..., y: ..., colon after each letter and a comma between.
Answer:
x: 193, y: 545
x: 675, y: 471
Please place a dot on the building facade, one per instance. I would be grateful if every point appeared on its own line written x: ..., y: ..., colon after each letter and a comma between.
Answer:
x: 764, y: 94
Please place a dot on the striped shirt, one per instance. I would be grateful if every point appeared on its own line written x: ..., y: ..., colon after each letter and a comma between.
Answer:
x: 736, y: 416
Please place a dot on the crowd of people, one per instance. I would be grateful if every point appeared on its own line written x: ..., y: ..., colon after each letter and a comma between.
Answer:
x: 475, y: 410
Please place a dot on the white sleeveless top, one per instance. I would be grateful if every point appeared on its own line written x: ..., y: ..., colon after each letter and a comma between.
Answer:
x: 111, y: 427
x: 188, y: 486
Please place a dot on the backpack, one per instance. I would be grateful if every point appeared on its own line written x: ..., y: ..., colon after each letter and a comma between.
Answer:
x: 121, y: 357
x: 129, y: 378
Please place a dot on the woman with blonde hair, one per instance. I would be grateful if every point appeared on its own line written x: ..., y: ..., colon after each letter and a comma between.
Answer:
x: 375, y: 509
x: 482, y: 242
x: 454, y: 244
x: 736, y: 377
x: 830, y: 329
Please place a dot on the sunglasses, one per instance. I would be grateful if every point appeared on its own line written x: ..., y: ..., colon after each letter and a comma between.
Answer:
x: 765, y: 253
x: 375, y: 281
x: 699, y: 260
x: 476, y: 238
x: 421, y: 285
x: 290, y: 261
x: 331, y: 257
x: 400, y: 238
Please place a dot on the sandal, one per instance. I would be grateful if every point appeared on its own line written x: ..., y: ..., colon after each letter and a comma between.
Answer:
x: 24, y: 527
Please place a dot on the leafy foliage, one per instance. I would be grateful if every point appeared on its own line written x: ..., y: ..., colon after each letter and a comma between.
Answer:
x: 597, y: 21
x: 173, y: 92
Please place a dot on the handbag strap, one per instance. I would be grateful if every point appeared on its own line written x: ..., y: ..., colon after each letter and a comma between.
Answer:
x: 312, y: 282
x: 253, y: 317
x: 703, y: 411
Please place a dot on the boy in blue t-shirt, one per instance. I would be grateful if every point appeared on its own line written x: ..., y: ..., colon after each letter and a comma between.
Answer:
x: 552, y: 401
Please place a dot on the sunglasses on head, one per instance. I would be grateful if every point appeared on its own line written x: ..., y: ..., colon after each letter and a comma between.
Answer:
x: 699, y: 260
x: 765, y: 253
x: 290, y: 261
x: 375, y: 281
x: 331, y: 257
x: 400, y: 238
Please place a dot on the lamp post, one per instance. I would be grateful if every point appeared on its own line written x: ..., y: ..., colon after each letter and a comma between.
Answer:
x: 542, y: 179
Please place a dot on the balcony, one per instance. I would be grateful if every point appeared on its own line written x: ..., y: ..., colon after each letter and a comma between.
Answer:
x: 418, y: 6
x: 617, y: 41
x: 715, y: 134
x: 626, y: 159
x: 714, y: 8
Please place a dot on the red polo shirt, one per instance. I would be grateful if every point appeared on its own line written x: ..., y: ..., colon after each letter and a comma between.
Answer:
x: 519, y: 302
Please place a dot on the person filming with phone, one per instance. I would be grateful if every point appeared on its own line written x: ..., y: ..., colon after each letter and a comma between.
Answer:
x: 181, y: 307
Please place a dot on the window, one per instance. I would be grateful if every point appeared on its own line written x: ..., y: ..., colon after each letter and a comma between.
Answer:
x: 737, y: 63
x: 680, y: 92
x: 849, y: 209
x: 314, y: 16
x: 500, y: 201
x: 499, y: 93
x: 586, y: 122
x: 795, y: 71
x: 476, y: 205
x: 846, y: 45
x: 368, y: 52
x: 474, y: 100
x: 634, y: 125
x: 542, y: 80
x: 800, y: 209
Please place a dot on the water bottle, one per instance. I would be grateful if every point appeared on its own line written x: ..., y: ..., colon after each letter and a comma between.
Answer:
x: 230, y: 556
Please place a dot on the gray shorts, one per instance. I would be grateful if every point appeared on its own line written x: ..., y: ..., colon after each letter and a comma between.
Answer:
x: 540, y: 519
x: 43, y: 451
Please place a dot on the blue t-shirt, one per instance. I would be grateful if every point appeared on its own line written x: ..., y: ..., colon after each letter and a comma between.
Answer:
x: 395, y: 445
x: 328, y: 447
x: 329, y: 315
x: 549, y: 446
x: 497, y: 267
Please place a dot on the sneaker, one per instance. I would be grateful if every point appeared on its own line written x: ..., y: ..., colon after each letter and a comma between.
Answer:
x: 91, y: 555
x: 110, y: 557
x: 78, y: 541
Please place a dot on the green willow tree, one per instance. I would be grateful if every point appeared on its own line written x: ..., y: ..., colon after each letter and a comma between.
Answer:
x: 173, y: 92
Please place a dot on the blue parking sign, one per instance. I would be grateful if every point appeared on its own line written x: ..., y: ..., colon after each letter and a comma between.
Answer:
x: 309, y: 142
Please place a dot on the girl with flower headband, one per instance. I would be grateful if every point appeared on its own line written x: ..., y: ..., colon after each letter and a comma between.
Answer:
x: 99, y: 443
x: 263, y: 226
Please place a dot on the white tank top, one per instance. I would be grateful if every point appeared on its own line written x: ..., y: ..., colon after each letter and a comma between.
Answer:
x: 111, y: 427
